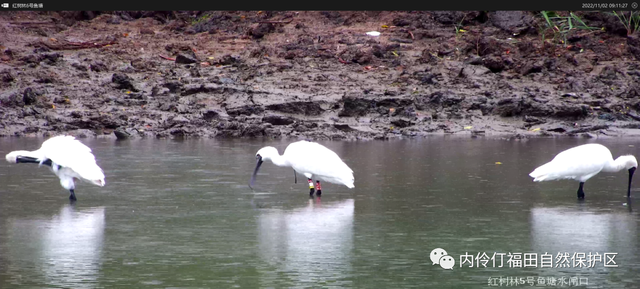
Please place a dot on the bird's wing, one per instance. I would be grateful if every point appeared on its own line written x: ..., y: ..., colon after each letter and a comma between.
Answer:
x: 314, y: 158
x: 578, y: 163
x: 68, y: 152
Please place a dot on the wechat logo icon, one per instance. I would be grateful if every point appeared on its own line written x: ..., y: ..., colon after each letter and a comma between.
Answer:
x: 439, y: 256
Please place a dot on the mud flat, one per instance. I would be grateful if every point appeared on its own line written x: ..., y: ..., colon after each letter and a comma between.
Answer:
x: 316, y: 75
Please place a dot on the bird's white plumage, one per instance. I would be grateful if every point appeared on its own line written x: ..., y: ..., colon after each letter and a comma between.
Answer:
x: 70, y: 158
x: 581, y: 163
x: 75, y: 157
x: 312, y: 160
x: 322, y: 163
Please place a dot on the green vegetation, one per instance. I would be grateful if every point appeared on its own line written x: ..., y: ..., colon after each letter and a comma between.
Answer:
x: 203, y: 18
x: 562, y: 26
x: 631, y: 21
x: 458, y: 27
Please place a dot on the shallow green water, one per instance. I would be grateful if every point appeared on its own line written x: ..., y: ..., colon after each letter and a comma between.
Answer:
x: 179, y: 214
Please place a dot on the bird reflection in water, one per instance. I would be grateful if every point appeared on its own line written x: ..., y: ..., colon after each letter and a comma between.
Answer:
x: 583, y: 230
x: 310, y: 243
x: 67, y: 246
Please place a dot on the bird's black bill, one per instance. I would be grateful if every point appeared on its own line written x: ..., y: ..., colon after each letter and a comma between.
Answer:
x: 255, y: 172
x: 26, y: 160
x: 631, y: 171
x: 295, y: 177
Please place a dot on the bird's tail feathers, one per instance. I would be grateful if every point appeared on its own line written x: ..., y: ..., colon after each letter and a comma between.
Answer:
x: 348, y: 181
x: 541, y: 173
x: 94, y: 175
x: 99, y: 182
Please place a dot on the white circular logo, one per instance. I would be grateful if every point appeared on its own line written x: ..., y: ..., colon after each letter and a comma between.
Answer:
x: 447, y: 262
x: 436, y: 254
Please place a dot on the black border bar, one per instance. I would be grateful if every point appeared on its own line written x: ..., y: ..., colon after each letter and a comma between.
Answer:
x: 318, y: 5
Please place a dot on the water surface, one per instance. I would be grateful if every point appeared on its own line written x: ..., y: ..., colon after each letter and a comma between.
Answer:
x: 179, y: 214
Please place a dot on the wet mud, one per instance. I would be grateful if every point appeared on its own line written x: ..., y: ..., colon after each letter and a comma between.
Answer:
x: 316, y: 75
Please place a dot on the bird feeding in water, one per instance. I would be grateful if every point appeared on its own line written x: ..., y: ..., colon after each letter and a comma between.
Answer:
x: 311, y: 159
x: 583, y: 162
x: 67, y: 158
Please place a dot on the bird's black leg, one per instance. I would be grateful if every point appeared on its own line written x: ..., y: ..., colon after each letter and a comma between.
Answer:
x: 318, y: 189
x: 581, y: 191
x: 72, y: 197
x: 311, y: 187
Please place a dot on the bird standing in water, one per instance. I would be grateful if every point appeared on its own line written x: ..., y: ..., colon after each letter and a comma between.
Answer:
x: 67, y: 158
x: 583, y: 162
x: 311, y: 159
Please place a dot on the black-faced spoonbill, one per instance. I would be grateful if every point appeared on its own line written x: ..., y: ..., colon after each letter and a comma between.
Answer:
x: 310, y: 159
x: 583, y: 162
x: 67, y: 158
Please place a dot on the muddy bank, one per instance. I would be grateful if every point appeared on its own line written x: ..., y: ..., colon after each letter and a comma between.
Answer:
x: 315, y: 75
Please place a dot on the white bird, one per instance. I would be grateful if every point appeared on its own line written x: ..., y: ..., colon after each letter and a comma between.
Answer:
x: 67, y: 158
x: 310, y: 159
x: 583, y: 162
